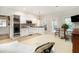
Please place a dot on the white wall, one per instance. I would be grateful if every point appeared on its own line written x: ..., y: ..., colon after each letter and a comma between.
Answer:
x: 59, y: 16
x: 47, y: 20
x: 25, y: 17
x: 11, y: 12
x: 59, y: 20
x: 70, y: 13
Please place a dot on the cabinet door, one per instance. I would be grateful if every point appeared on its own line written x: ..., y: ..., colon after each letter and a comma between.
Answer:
x: 30, y: 30
x: 33, y: 30
x: 24, y: 32
x: 40, y: 30
x: 23, y: 19
x: 75, y: 45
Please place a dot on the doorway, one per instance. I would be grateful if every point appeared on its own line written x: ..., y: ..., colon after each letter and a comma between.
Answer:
x: 4, y: 27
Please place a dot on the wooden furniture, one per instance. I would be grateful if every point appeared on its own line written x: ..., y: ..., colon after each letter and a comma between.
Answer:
x: 75, y: 41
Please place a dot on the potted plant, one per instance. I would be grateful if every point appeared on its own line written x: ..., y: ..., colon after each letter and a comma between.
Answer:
x: 65, y: 27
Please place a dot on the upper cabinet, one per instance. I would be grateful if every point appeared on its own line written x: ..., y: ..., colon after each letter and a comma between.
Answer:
x: 23, y: 19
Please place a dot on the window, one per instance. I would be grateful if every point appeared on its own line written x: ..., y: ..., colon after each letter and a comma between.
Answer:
x: 54, y: 25
x: 68, y: 21
x: 2, y: 22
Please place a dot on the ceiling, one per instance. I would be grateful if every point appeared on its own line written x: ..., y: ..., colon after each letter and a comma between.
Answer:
x: 42, y: 10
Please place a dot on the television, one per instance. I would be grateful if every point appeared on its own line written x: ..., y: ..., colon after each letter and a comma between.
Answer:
x: 75, y: 18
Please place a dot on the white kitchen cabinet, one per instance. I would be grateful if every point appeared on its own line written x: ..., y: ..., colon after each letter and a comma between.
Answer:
x: 30, y: 30
x: 23, y: 19
x: 24, y: 32
x: 40, y: 30
x: 35, y: 30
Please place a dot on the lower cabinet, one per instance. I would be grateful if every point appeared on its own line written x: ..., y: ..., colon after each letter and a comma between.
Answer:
x: 75, y: 43
x: 28, y: 31
x: 24, y: 32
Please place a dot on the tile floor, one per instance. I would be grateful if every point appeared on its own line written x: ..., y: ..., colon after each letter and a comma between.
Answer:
x: 61, y: 46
